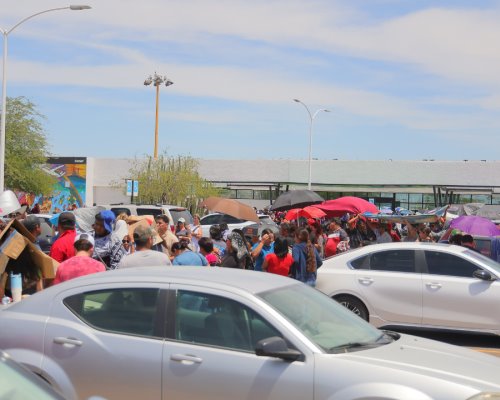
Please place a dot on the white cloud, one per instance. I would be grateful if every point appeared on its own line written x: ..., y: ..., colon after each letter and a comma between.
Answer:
x: 456, y: 45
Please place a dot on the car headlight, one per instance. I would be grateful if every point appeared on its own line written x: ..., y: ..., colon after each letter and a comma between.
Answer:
x: 485, y: 396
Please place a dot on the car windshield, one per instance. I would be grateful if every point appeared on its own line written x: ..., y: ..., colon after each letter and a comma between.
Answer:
x: 485, y: 260
x: 321, y: 319
x: 181, y: 212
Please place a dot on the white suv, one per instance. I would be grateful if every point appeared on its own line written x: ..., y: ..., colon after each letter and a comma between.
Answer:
x: 173, y: 212
x: 234, y: 223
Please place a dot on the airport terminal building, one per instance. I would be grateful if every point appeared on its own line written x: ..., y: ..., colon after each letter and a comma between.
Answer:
x: 413, y: 185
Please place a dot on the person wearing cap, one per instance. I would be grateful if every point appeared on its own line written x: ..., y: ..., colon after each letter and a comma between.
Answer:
x: 63, y: 249
x: 82, y: 263
x: 144, y: 256
x: 108, y: 246
x: 181, y: 231
x: 32, y: 224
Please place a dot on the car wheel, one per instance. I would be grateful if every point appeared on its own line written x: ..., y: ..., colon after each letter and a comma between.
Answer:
x: 353, y: 304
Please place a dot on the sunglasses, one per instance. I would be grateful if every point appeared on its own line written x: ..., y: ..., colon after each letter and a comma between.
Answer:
x: 125, y: 241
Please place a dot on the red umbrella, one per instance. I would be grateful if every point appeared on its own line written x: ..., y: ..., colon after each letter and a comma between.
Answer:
x: 306, y: 212
x: 347, y: 204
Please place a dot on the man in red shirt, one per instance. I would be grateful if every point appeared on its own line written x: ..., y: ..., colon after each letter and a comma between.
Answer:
x: 63, y: 248
x: 82, y: 263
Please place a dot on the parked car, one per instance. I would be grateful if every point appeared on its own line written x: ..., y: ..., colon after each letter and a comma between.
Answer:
x: 17, y: 382
x: 173, y: 212
x: 235, y: 223
x: 220, y: 333
x: 428, y: 285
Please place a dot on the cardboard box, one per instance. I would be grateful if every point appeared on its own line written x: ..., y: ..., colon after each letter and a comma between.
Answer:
x: 19, y: 242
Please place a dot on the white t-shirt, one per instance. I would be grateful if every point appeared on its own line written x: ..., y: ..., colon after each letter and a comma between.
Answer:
x: 145, y: 258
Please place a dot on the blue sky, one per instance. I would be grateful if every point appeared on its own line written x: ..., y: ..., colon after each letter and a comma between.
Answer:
x: 404, y: 80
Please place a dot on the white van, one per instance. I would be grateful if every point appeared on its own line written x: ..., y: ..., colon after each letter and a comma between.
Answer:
x: 173, y: 212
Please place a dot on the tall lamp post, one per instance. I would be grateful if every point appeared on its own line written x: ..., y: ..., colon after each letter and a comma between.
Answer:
x: 311, y: 117
x: 5, y: 33
x: 157, y: 80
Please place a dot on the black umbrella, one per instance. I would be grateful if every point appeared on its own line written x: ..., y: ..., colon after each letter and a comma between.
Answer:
x: 296, y: 199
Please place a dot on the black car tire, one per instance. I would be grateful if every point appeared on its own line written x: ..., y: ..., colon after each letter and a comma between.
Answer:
x: 353, y: 304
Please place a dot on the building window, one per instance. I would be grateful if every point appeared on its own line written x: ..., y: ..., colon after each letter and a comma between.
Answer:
x: 244, y: 194
x: 480, y: 198
x: 261, y: 194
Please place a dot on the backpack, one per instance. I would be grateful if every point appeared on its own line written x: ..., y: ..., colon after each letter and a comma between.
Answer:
x: 310, y: 259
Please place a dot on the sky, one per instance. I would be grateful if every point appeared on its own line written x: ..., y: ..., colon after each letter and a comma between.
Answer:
x: 403, y: 80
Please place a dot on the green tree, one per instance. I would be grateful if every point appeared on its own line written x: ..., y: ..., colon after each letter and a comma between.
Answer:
x: 171, y: 180
x: 26, y: 148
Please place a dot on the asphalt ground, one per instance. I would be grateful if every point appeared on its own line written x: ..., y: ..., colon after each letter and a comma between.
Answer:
x: 484, y: 343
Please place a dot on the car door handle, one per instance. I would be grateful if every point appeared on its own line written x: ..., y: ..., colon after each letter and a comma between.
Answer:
x: 365, y: 280
x: 70, y: 341
x: 186, y: 359
x: 433, y: 285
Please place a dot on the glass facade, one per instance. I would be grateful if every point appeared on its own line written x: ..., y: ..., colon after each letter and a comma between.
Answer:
x: 410, y: 201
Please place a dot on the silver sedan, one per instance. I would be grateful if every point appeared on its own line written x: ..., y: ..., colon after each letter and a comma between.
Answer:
x: 428, y: 285
x: 213, y: 333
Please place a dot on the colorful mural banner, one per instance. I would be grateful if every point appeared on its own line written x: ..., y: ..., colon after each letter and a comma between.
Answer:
x: 70, y: 190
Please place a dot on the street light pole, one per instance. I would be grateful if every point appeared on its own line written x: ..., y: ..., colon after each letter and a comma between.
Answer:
x: 5, y: 34
x: 312, y: 117
x: 157, y: 80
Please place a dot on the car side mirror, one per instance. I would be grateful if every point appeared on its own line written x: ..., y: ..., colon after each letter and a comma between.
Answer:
x: 483, y: 275
x: 276, y: 347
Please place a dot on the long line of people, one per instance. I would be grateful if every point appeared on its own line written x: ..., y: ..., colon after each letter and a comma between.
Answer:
x: 297, y: 250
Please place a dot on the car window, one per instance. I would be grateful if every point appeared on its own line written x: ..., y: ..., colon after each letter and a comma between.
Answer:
x: 439, y: 263
x: 130, y: 310
x: 483, y: 245
x: 325, y: 322
x: 228, y: 219
x: 481, y: 258
x: 177, y: 213
x: 46, y: 229
x: 361, y: 262
x: 148, y: 211
x: 210, y: 220
x: 212, y: 320
x: 393, y: 260
x: 120, y: 210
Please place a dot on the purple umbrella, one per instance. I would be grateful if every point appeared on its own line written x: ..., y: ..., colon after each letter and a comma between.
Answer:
x: 474, y: 225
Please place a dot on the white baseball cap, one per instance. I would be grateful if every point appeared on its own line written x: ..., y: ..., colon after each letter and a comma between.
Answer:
x: 86, y: 236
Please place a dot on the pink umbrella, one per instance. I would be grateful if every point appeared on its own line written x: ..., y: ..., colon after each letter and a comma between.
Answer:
x: 306, y: 212
x: 347, y: 204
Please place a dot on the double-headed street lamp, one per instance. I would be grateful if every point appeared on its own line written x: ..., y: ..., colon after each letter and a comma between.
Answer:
x: 157, y: 80
x: 5, y: 33
x: 311, y: 117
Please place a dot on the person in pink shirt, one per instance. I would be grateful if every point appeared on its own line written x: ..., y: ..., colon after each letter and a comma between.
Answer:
x: 82, y: 263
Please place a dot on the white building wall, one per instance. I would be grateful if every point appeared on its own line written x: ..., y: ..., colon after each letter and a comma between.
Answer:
x: 105, y: 174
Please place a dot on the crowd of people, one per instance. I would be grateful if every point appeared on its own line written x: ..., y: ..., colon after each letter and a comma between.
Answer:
x: 297, y: 250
